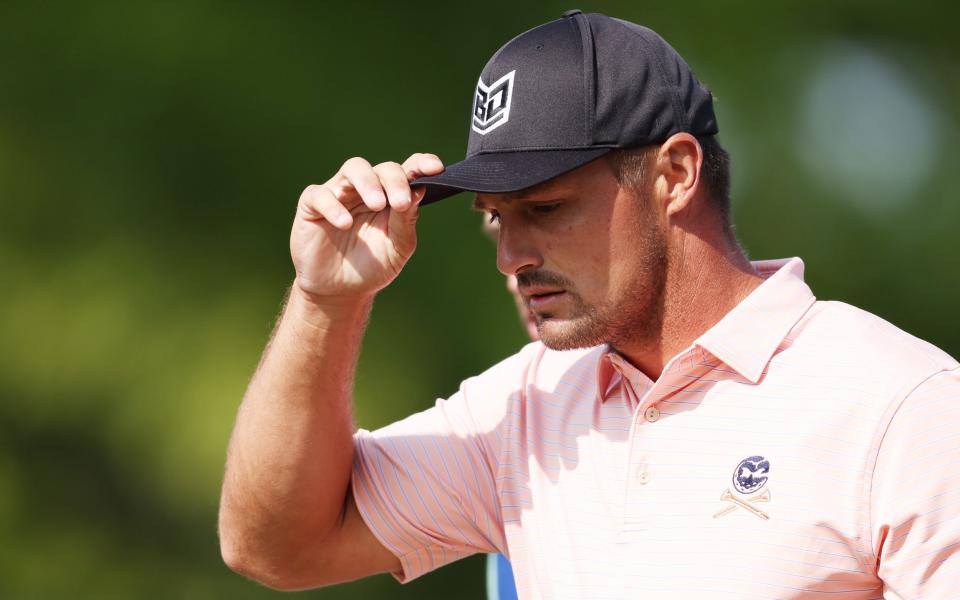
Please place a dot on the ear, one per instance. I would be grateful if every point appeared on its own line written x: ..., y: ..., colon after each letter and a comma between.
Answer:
x: 678, y: 163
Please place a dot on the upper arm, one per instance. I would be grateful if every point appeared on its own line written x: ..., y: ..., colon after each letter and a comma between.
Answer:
x: 915, y: 497
x: 426, y: 497
x: 352, y: 552
x: 423, y: 490
x: 426, y: 486
x: 346, y: 552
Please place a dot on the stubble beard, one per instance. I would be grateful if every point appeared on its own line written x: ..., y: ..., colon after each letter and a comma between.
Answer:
x: 634, y: 316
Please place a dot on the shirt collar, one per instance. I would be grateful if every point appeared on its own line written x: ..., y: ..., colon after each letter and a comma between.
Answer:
x: 609, y: 373
x: 747, y: 337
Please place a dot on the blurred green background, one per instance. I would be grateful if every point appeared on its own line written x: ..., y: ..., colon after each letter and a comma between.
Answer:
x: 151, y: 156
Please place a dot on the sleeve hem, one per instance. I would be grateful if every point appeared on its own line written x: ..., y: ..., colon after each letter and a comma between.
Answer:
x: 866, y: 528
x: 408, y: 570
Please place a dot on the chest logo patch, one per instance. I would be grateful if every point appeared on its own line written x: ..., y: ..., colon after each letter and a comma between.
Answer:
x: 751, y: 474
x: 749, y: 477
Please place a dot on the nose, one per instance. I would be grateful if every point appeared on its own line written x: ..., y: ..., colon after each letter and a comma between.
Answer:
x: 516, y: 250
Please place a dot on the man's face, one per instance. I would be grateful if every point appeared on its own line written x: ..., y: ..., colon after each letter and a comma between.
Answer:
x: 589, y: 256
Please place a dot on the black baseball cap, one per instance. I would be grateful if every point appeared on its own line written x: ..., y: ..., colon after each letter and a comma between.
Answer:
x: 567, y: 92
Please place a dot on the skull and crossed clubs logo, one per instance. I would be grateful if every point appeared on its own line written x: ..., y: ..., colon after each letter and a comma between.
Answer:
x: 749, y: 477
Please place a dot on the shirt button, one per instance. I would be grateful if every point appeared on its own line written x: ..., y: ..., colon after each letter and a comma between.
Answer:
x: 643, y: 476
x: 652, y: 414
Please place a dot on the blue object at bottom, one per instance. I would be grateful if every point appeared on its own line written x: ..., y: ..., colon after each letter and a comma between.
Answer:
x: 500, y: 584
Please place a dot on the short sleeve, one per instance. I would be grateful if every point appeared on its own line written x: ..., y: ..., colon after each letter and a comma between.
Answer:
x: 915, y: 498
x: 426, y: 486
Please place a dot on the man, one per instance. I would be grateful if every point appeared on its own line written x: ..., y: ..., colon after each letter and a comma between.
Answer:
x: 691, y: 424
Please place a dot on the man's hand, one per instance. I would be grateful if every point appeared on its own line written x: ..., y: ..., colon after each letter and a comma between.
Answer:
x: 353, y: 234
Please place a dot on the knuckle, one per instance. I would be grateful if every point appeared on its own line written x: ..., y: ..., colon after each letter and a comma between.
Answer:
x: 355, y: 163
x: 309, y: 191
x: 355, y: 160
x: 388, y: 166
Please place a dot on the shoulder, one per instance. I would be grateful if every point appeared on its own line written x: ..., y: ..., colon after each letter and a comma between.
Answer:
x: 490, y: 397
x: 858, y: 339
x: 489, y: 394
x: 535, y: 363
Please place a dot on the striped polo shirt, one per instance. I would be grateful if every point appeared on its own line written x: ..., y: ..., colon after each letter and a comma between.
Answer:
x: 797, y: 449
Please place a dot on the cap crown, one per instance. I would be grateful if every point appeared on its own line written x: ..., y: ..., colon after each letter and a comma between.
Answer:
x: 548, y: 101
x: 586, y: 81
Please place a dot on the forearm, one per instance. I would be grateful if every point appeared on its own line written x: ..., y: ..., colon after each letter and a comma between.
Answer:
x: 290, y: 455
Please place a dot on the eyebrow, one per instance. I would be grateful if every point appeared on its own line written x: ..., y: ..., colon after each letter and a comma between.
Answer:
x: 524, y: 194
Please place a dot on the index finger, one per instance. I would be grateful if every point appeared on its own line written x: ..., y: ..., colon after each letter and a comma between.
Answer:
x: 359, y: 174
x: 421, y: 165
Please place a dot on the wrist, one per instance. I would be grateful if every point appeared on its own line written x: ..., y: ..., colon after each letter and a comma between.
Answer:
x: 323, y: 311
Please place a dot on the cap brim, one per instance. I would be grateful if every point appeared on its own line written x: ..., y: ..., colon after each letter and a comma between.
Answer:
x: 500, y: 172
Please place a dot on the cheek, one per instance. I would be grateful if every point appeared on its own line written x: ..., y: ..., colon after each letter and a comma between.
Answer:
x: 631, y: 263
x: 620, y: 279
x: 574, y: 253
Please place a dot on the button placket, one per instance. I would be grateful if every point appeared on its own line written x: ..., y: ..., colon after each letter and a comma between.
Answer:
x: 640, y: 475
x: 635, y: 518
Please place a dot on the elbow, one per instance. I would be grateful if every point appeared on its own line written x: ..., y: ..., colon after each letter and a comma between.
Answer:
x: 256, y: 563
x: 284, y: 554
x: 239, y: 560
x: 272, y: 567
x: 244, y: 561
x: 252, y: 567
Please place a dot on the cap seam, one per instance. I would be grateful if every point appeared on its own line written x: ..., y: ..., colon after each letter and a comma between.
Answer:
x: 678, y: 114
x: 588, y: 56
x: 674, y: 96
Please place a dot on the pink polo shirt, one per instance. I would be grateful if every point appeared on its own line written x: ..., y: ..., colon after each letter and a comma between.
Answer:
x: 798, y: 449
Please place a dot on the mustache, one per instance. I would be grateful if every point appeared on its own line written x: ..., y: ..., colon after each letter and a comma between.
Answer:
x: 542, y: 278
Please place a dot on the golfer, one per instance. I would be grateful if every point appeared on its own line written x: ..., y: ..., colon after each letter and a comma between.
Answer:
x: 691, y: 424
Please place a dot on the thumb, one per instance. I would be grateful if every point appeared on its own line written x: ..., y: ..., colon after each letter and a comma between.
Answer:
x: 416, y: 195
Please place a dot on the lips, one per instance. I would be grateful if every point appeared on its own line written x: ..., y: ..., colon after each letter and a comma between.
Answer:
x: 538, y: 298
x: 533, y: 290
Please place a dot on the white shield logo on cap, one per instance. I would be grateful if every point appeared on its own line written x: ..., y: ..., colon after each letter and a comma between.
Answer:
x: 491, y: 109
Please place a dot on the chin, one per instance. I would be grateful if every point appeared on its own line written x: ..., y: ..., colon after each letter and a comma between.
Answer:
x: 558, y: 334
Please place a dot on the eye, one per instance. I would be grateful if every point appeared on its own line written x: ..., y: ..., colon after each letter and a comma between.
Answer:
x: 546, y: 208
x: 494, y: 217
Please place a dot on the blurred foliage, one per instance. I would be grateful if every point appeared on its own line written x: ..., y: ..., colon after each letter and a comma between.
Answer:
x: 151, y: 155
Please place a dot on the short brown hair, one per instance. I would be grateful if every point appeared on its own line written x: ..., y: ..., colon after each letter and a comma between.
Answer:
x: 630, y: 168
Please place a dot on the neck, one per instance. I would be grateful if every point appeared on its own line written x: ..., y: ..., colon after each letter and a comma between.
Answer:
x: 706, y: 279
